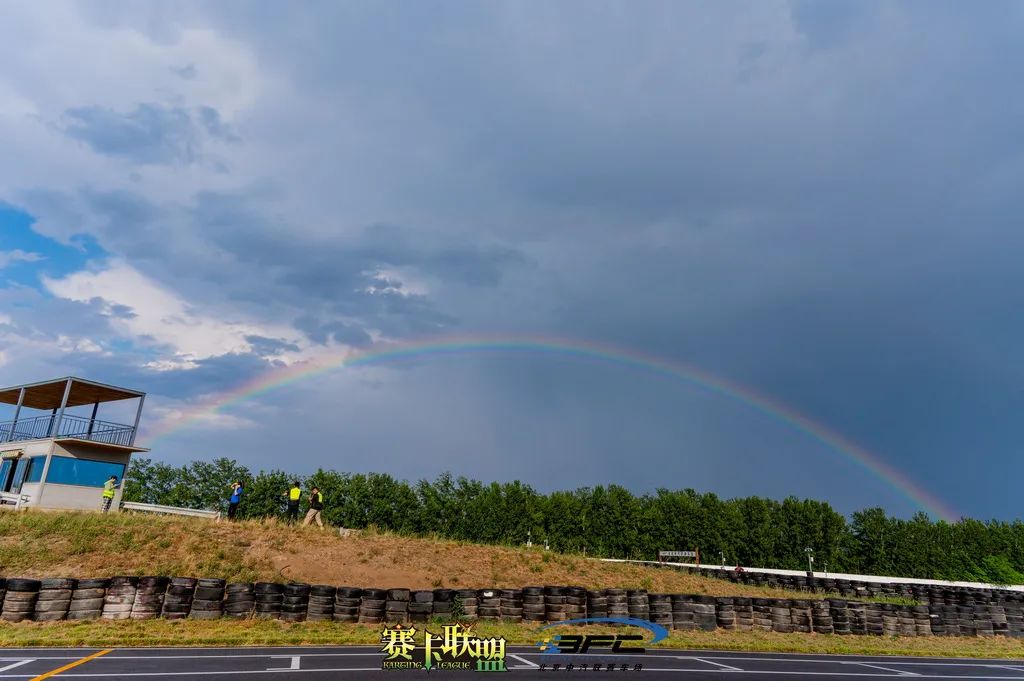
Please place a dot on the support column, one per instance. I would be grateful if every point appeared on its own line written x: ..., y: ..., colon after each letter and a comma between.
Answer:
x: 63, y: 405
x: 53, y: 442
x: 92, y: 419
x: 138, y: 417
x: 17, y: 413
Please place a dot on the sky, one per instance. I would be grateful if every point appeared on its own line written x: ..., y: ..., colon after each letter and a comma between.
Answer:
x: 817, y: 201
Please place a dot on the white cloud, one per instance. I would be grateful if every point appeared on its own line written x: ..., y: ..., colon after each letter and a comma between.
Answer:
x: 17, y: 255
x: 161, y: 316
x: 69, y: 344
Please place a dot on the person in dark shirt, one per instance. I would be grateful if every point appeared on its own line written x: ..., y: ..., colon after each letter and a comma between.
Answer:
x: 316, y: 505
x: 236, y: 498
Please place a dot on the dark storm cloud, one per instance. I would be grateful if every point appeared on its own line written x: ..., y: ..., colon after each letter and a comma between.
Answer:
x: 149, y: 134
x: 819, y: 200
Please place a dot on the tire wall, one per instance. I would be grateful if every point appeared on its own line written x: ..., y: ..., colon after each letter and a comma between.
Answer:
x: 941, y: 611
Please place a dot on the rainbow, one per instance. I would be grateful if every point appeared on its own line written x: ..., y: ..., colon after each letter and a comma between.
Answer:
x: 570, y: 348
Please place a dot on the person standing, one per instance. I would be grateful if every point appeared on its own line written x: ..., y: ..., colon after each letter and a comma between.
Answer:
x: 236, y: 498
x: 316, y: 506
x: 109, y: 489
x: 294, y: 495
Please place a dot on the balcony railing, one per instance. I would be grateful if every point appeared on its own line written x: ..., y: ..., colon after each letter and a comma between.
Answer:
x: 43, y: 427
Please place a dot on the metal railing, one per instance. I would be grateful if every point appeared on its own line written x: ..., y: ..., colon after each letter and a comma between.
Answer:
x: 169, y: 510
x: 18, y: 501
x: 42, y: 427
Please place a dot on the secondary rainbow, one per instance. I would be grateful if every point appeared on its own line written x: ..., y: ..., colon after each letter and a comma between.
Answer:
x: 579, y: 349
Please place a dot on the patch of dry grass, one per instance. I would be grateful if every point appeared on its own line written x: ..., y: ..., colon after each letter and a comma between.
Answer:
x: 132, y: 633
x: 48, y: 544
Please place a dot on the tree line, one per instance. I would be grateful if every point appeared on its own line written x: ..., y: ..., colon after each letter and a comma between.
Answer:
x: 610, y: 521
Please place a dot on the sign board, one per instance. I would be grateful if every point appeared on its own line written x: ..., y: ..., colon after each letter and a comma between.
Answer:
x: 695, y: 554
x: 11, y: 454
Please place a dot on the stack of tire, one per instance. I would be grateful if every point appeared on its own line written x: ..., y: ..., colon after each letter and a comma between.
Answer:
x: 178, y: 600
x: 511, y: 605
x: 346, y: 604
x: 923, y: 620
x: 87, y: 599
x: 421, y: 605
x: 269, y: 600
x: 800, y: 613
x: 489, y: 604
x: 762, y: 614
x: 890, y: 620
x: 120, y: 598
x: 618, y: 603
x: 239, y: 599
x: 660, y: 607
x: 682, y: 612
x: 782, y: 616
x: 3, y: 591
x: 321, y: 603
x: 149, y: 598
x: 396, y: 608
x: 983, y: 621
x: 533, y: 604
x: 744, y: 613
x: 575, y: 602
x: 865, y: 618
x: 554, y: 604
x: 470, y: 603
x: 371, y: 607
x: 443, y: 602
x: 704, y: 613
x: 54, y: 599
x: 295, y: 603
x: 20, y: 600
x: 639, y: 606
x: 725, y: 613
x: 208, y: 603
x: 1014, y: 618
x: 944, y: 622
x: 839, y: 614
x: 597, y: 604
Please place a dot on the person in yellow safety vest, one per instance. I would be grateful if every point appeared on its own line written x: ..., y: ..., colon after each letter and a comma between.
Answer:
x: 109, y: 488
x: 316, y: 505
x: 294, y: 495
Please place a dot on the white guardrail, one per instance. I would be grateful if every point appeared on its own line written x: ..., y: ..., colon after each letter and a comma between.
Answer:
x: 169, y: 510
x: 879, y: 579
x: 16, y: 501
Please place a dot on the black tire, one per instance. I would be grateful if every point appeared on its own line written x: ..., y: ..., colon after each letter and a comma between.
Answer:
x: 208, y: 594
x: 348, y: 592
x: 23, y: 585
x: 323, y: 590
x: 269, y: 588
x: 398, y: 595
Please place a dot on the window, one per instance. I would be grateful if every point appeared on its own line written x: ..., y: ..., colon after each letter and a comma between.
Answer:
x: 65, y: 470
x: 35, y: 469
x: 5, y: 475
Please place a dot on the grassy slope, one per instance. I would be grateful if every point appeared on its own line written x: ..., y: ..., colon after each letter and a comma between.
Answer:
x: 92, y: 545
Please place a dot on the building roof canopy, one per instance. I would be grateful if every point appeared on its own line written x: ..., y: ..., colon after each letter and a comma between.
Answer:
x: 48, y: 394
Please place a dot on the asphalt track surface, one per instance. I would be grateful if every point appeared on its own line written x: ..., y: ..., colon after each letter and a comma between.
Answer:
x: 358, y: 662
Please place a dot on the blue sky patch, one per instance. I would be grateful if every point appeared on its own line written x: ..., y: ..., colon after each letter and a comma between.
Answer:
x: 26, y: 255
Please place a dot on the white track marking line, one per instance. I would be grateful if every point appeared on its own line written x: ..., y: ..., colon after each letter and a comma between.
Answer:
x: 295, y: 660
x: 884, y: 669
x: 530, y: 665
x: 717, y: 664
x: 15, y: 664
x: 829, y: 675
x: 226, y: 657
